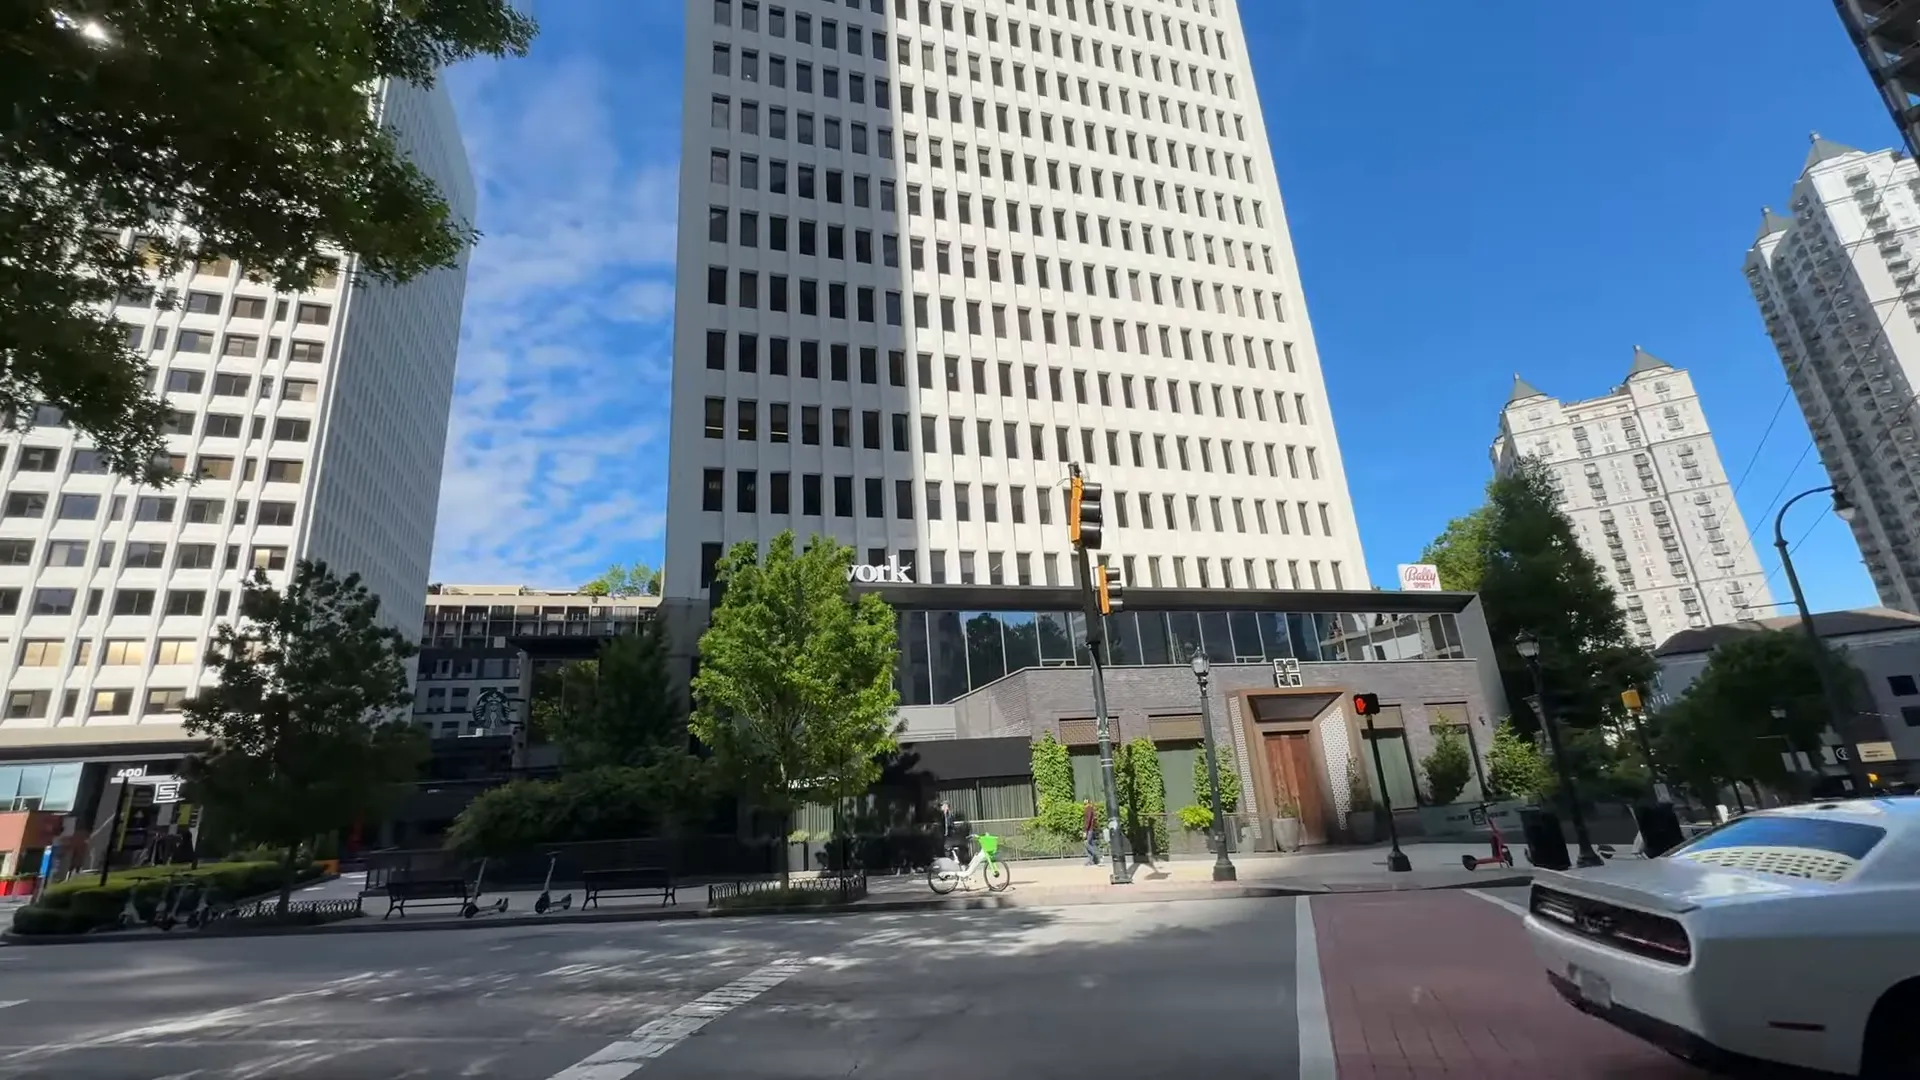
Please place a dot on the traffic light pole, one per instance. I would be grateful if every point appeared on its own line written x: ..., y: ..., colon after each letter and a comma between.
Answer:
x: 1096, y: 639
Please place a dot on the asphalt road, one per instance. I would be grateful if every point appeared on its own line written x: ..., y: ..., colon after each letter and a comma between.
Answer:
x: 1201, y: 989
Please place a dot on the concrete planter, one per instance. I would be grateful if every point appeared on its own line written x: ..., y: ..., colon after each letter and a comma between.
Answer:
x: 1363, y: 826
x: 1286, y: 833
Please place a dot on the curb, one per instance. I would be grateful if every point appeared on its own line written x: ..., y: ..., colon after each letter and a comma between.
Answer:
x: 1000, y: 902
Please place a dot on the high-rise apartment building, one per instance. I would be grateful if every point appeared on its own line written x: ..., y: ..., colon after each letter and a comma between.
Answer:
x: 311, y: 425
x: 1643, y: 484
x: 1839, y: 292
x: 933, y: 251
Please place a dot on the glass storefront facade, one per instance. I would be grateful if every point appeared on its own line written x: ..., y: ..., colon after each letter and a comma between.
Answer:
x: 945, y: 654
x: 51, y: 787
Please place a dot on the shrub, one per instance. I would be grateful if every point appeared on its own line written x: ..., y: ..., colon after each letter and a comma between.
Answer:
x: 1449, y: 767
x: 1056, y: 813
x: 1196, y: 818
x: 1142, y: 795
x: 1515, y: 768
x: 1229, y: 781
x: 778, y: 898
x: 38, y: 919
x: 88, y: 905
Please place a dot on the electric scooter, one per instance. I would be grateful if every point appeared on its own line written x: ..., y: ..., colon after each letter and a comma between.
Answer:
x: 546, y: 902
x: 474, y: 907
x: 1502, y: 855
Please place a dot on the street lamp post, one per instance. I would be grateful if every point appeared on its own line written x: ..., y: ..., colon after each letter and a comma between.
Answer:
x: 1839, y: 715
x: 1528, y: 647
x: 1222, y: 865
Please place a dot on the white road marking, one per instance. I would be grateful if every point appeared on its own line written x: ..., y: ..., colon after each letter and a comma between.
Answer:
x: 656, y: 1037
x: 11, y: 1004
x: 1503, y: 902
x: 1310, y: 998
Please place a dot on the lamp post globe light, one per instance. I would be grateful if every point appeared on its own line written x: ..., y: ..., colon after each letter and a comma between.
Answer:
x: 1222, y: 865
x: 1838, y: 713
x: 1528, y: 647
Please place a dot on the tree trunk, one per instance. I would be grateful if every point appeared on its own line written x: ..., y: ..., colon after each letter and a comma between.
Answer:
x: 286, y: 881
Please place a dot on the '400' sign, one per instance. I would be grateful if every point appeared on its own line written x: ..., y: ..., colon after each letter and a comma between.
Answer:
x: 888, y: 573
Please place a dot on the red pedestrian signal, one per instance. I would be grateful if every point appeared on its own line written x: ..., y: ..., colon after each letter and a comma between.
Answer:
x: 1366, y: 704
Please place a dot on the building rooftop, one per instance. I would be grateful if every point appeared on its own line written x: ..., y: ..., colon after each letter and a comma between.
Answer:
x: 1828, y: 624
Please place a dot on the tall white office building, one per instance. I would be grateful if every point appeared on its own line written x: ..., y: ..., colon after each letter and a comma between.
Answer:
x: 314, y: 426
x: 933, y: 251
x: 1839, y: 292
x: 1644, y: 486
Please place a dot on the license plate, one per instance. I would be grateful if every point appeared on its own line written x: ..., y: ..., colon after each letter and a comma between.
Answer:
x: 1593, y: 988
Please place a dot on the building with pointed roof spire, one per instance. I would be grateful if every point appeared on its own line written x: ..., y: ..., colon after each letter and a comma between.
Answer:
x: 1643, y: 484
x: 1839, y: 293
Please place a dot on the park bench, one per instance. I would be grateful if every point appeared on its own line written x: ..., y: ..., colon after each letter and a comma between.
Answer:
x: 628, y: 881
x: 427, y: 892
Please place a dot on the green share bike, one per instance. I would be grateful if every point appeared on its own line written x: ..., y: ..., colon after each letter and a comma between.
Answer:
x: 947, y: 873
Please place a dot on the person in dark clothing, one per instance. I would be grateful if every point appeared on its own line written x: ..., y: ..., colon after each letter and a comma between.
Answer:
x: 956, y: 833
x: 1091, y: 823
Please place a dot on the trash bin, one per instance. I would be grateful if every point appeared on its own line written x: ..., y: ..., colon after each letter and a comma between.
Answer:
x: 1546, y: 844
x: 1659, y: 828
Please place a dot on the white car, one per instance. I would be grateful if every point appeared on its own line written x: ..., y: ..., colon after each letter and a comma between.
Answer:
x: 1784, y: 937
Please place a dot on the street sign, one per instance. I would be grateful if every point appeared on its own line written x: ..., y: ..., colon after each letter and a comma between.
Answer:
x: 1876, y: 751
x: 1477, y: 817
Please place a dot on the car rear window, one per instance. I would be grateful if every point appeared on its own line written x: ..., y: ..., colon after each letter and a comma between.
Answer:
x: 1794, y: 846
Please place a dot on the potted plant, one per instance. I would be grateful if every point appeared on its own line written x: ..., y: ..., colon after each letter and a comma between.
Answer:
x: 1286, y: 823
x: 797, y: 854
x: 1362, y: 826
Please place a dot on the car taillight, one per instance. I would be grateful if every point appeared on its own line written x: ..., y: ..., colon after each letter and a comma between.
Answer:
x: 1655, y: 937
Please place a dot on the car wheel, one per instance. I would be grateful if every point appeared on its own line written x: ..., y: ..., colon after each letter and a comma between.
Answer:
x: 1892, y: 1050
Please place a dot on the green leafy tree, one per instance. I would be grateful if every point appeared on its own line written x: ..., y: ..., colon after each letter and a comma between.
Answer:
x: 1449, y: 766
x: 1460, y: 551
x: 636, y: 580
x: 1538, y: 580
x: 305, y: 727
x: 123, y: 118
x: 1141, y: 789
x: 1724, y: 729
x: 1515, y: 767
x: 795, y: 690
x: 619, y: 708
x: 1056, y: 811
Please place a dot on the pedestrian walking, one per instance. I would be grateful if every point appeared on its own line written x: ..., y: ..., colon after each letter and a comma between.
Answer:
x: 1090, y: 821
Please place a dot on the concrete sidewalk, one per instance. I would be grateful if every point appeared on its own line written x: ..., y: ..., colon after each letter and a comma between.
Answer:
x: 1050, y: 883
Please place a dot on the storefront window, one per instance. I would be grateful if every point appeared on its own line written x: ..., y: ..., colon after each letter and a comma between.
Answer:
x: 986, y: 656
x: 1185, y: 627
x: 1155, y: 646
x: 1056, y: 645
x: 947, y: 644
x: 39, y: 787
x: 1219, y: 639
x: 1123, y: 640
x: 1246, y: 637
x: 1022, y: 636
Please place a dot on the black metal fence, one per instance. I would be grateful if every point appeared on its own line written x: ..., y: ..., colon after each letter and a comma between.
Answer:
x: 845, y: 888
x: 691, y: 859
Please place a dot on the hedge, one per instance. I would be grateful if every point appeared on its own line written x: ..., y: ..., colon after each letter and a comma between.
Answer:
x: 81, y: 904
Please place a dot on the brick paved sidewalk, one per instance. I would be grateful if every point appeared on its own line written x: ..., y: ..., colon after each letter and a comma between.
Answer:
x: 1445, y: 984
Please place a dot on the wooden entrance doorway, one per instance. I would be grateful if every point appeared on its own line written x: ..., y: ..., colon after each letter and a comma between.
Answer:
x: 1289, y: 757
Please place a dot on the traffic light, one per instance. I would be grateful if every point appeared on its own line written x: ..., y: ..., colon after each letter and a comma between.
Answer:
x: 1366, y: 704
x: 1083, y: 514
x: 1106, y: 585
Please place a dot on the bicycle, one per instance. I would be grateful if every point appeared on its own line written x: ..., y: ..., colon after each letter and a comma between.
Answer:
x: 946, y: 874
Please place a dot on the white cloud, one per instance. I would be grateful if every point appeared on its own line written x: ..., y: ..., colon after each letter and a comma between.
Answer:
x: 554, y: 454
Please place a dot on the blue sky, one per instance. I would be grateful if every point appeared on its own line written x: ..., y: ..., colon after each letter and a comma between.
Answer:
x: 1474, y: 189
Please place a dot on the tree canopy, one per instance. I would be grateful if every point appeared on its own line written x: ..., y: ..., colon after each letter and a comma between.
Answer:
x: 619, y: 708
x: 306, y: 729
x: 209, y: 130
x: 795, y: 689
x: 1459, y: 552
x: 616, y: 580
x: 1722, y: 728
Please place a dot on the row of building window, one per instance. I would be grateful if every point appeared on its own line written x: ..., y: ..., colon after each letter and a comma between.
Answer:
x: 779, y: 416
x: 779, y: 501
x: 780, y: 355
x: 79, y: 506
x: 1168, y: 571
x: 114, y: 652
x: 60, y: 602
x: 152, y: 554
x: 33, y: 704
x: 244, y: 307
x: 232, y: 346
x: 782, y: 291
